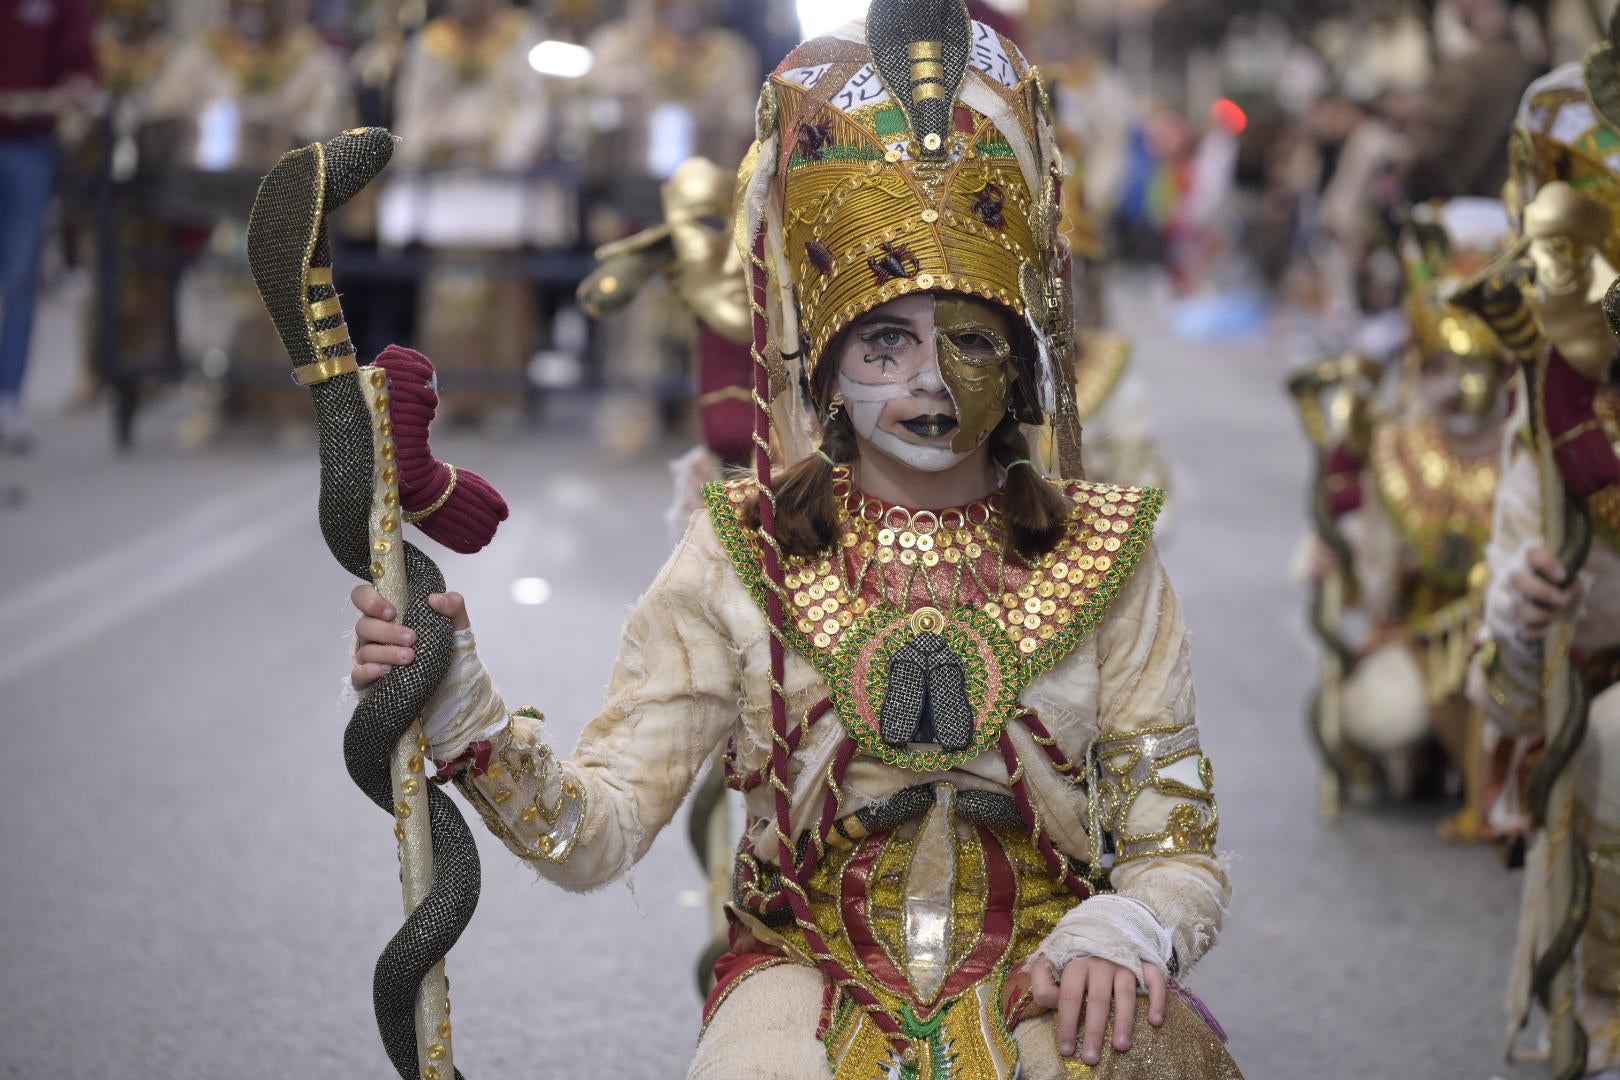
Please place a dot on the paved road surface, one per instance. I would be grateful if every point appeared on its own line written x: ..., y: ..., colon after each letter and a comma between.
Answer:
x: 192, y: 888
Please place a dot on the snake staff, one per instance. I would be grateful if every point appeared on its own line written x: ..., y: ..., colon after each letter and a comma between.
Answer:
x: 1337, y: 430
x: 1497, y: 294
x: 377, y: 474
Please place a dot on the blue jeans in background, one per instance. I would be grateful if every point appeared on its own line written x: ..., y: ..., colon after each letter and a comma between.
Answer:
x: 27, y: 176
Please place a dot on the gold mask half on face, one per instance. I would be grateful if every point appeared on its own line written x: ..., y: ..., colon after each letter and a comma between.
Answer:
x: 975, y: 359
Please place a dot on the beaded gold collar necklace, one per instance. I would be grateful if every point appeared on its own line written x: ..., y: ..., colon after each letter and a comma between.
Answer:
x: 896, y: 549
x: 902, y: 580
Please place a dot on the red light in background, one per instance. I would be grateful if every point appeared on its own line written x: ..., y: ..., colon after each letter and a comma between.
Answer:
x: 1229, y: 115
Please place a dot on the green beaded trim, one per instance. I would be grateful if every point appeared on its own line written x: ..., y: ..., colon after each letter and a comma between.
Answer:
x: 836, y: 664
x: 996, y: 148
x: 840, y: 152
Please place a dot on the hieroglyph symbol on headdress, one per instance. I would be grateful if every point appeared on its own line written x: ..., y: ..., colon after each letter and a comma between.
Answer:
x: 813, y: 140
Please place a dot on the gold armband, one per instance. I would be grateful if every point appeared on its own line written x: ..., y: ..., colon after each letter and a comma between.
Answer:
x: 1167, y: 766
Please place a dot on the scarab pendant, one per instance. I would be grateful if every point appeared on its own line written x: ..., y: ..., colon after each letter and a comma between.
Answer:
x: 927, y: 697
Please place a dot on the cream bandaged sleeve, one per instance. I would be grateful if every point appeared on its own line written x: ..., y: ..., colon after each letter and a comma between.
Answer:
x: 1155, y: 787
x: 671, y: 700
x: 466, y: 708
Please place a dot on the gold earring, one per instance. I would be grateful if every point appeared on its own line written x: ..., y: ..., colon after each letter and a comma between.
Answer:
x: 835, y: 407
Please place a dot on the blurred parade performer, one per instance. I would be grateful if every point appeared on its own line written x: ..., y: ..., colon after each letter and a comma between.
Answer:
x: 1094, y: 116
x: 667, y: 85
x: 47, y: 64
x: 232, y: 99
x: 1410, y: 510
x: 1465, y: 113
x: 956, y: 693
x: 1115, y: 405
x: 474, y: 116
x: 1547, y: 671
x: 694, y: 251
x: 132, y: 50
x: 262, y: 75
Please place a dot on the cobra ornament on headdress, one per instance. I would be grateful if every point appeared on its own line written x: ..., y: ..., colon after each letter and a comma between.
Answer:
x: 1444, y: 245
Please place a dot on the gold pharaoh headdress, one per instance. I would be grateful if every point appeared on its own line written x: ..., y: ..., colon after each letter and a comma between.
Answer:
x: 913, y: 154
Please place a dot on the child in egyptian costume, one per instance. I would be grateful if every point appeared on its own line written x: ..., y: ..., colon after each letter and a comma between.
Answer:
x: 1413, y: 518
x: 1566, y: 454
x: 954, y: 693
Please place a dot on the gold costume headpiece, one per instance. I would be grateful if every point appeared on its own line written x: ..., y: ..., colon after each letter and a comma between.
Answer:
x: 917, y: 159
x: 1444, y: 244
x: 1562, y: 133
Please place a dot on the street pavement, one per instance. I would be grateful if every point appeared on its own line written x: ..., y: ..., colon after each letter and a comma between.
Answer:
x: 192, y: 888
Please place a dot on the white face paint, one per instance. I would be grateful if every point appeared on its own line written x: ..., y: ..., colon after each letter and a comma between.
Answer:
x: 889, y: 378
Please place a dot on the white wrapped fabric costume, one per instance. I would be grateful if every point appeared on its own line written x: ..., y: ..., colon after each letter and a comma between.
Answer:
x: 694, y: 673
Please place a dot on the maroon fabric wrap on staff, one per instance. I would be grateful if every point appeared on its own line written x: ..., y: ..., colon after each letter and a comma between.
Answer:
x: 1342, y: 477
x: 467, y: 520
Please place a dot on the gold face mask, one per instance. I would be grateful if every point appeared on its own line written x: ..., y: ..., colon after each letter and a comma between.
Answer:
x: 974, y: 338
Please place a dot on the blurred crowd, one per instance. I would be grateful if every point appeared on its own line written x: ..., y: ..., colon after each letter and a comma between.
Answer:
x: 527, y: 137
x: 1266, y: 168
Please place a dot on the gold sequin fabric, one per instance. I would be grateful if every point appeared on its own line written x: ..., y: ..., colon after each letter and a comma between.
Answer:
x: 1184, y: 1048
x: 897, y: 574
x: 1440, y: 502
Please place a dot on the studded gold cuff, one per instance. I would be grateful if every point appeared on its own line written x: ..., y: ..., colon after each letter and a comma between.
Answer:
x: 526, y: 799
x: 1163, y: 762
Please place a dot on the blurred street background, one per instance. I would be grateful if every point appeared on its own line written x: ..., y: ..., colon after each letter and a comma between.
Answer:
x: 193, y: 888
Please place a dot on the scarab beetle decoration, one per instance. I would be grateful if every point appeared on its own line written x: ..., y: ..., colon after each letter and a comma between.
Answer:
x: 821, y: 256
x: 894, y: 261
x: 927, y: 698
x: 989, y: 204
